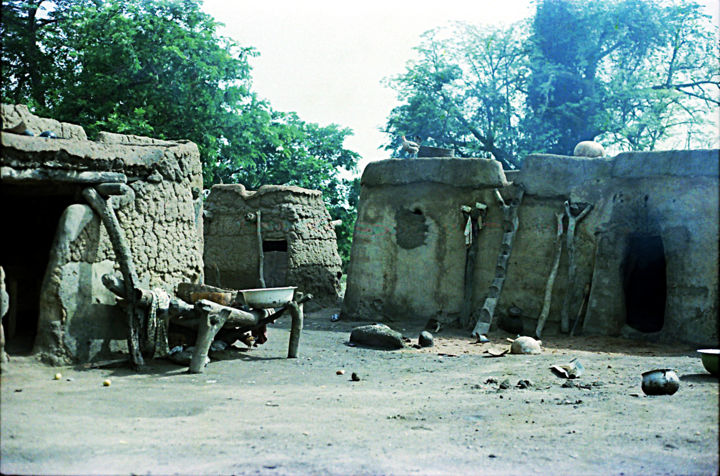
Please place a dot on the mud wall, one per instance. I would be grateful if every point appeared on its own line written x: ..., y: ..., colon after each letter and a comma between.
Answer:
x: 78, y: 319
x: 408, y: 254
x: 670, y: 197
x: 300, y: 247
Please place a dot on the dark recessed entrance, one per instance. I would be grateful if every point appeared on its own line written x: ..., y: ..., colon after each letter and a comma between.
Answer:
x: 30, y: 215
x: 645, y: 283
x: 275, y: 263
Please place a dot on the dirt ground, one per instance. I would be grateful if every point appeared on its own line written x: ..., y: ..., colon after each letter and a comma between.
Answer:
x: 429, y: 411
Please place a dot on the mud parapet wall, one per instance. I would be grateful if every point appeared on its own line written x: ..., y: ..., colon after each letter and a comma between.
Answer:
x: 296, y: 235
x: 650, y: 211
x: 42, y: 184
x: 408, y: 253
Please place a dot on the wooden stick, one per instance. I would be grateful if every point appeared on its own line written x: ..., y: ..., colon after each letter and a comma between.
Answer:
x: 572, y: 266
x: 551, y: 278
x: 578, y: 317
x: 261, y: 253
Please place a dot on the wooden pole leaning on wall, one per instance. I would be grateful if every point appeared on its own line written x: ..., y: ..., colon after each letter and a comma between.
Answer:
x: 551, y: 278
x: 510, y: 226
x: 261, y: 252
x: 573, y: 220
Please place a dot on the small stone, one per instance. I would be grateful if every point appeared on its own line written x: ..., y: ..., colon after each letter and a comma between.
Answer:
x: 340, y: 372
x: 426, y: 339
x: 106, y: 382
x: 491, y: 380
x: 354, y: 377
x: 525, y: 383
x: 505, y: 384
x: 155, y: 177
x: 58, y: 376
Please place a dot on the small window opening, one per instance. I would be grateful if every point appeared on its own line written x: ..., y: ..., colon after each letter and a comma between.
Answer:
x: 275, y: 245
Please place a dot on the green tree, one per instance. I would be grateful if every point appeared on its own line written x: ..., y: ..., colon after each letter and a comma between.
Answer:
x: 630, y: 73
x: 159, y: 68
x: 465, y: 92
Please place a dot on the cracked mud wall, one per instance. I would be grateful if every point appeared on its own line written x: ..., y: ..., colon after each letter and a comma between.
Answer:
x: 300, y: 241
x: 163, y: 226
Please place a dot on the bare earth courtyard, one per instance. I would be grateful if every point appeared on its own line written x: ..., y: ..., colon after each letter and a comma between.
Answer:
x: 432, y: 411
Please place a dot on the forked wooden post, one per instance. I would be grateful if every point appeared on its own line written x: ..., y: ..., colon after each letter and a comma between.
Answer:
x: 572, y: 266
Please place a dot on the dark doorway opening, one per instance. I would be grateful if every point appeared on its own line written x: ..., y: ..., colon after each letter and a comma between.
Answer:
x: 645, y: 283
x: 30, y: 215
x: 275, y: 263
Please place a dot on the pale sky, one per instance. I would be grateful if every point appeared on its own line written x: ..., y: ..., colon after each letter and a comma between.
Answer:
x: 326, y: 59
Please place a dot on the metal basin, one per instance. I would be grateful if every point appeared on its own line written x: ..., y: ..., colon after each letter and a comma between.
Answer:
x: 660, y: 382
x: 710, y: 359
x: 267, y: 298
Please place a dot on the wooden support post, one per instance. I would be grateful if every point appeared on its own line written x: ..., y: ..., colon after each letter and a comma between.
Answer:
x: 551, y: 278
x: 572, y: 266
x: 296, y: 312
x: 106, y: 211
x: 510, y: 226
x: 213, y: 317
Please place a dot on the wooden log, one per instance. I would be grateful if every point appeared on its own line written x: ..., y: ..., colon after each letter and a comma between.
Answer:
x: 11, y: 175
x: 551, y: 278
x: 572, y: 266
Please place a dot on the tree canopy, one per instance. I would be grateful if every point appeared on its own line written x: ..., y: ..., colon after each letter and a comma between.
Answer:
x: 629, y: 73
x: 159, y: 68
